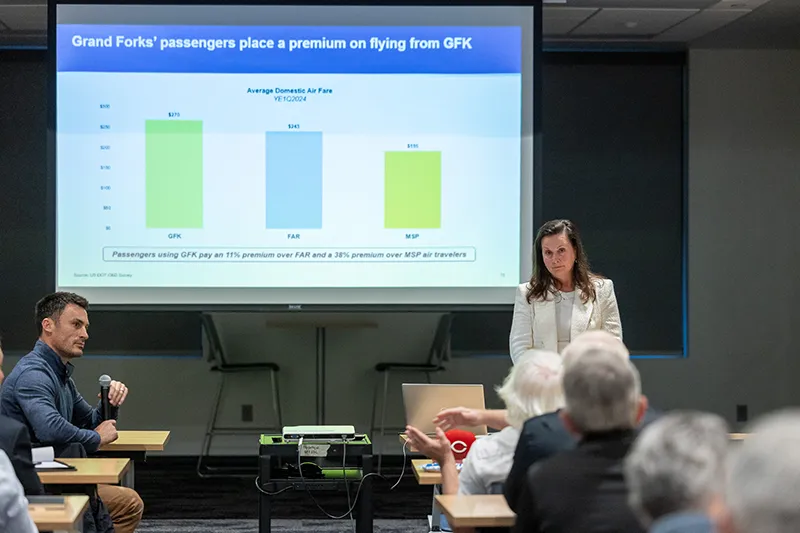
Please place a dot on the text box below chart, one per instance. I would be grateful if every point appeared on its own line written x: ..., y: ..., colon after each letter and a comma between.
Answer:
x: 290, y: 255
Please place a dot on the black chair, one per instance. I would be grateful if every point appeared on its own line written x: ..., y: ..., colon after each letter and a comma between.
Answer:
x: 220, y: 364
x: 437, y: 355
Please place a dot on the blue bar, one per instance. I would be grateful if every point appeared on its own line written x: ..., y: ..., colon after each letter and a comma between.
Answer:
x: 294, y: 180
x: 307, y: 49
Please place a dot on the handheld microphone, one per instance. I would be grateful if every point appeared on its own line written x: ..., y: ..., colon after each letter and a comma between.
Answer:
x: 105, y: 406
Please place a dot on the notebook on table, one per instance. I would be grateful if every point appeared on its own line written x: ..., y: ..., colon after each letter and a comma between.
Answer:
x: 44, y: 460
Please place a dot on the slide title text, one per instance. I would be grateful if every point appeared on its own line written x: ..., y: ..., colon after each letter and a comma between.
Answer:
x: 380, y: 44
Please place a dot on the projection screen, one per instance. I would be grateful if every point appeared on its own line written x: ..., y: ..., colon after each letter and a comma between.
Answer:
x: 291, y: 154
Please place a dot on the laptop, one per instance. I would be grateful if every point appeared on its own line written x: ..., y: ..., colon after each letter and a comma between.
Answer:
x: 423, y: 401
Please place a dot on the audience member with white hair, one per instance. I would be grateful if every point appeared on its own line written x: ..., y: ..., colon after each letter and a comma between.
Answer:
x: 583, y: 489
x: 675, y: 473
x: 762, y: 490
x: 14, y: 517
x: 531, y: 388
x: 546, y: 435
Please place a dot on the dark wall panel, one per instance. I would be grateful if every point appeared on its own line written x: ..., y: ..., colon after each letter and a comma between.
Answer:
x: 613, y: 144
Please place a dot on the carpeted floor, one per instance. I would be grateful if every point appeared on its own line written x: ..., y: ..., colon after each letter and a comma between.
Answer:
x: 282, y: 526
x: 172, y: 490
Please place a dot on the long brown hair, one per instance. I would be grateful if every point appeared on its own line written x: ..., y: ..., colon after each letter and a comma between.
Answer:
x: 542, y: 282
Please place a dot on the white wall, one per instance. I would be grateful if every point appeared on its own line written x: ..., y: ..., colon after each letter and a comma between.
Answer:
x: 744, y: 235
x: 177, y: 394
x: 744, y: 324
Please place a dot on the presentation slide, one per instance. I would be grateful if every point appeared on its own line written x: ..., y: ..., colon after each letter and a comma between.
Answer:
x: 200, y: 156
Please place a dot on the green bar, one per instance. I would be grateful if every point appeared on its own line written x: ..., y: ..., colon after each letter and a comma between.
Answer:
x: 413, y: 190
x: 174, y: 173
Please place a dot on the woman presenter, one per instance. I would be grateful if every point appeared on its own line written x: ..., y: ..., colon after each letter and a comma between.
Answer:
x: 563, y: 297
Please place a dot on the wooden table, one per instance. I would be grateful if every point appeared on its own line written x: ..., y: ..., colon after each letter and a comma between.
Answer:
x: 476, y: 510
x: 423, y: 477
x: 134, y: 445
x: 138, y: 441
x: 67, y: 517
x: 91, y: 471
x: 429, y: 478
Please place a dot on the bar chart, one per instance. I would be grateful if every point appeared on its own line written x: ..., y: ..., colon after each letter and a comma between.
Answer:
x: 341, y: 187
x: 413, y: 190
x: 294, y: 180
x: 174, y: 173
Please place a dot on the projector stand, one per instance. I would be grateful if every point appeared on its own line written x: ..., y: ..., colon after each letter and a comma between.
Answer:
x: 336, y: 466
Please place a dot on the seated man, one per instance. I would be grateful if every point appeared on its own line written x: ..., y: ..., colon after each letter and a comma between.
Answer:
x: 583, y: 489
x: 16, y: 444
x: 40, y: 393
x: 532, y: 387
x: 762, y: 486
x: 676, y: 473
x: 14, y: 517
x: 546, y: 435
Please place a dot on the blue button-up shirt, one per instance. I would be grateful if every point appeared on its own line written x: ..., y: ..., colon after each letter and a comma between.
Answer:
x: 40, y: 393
x: 683, y: 523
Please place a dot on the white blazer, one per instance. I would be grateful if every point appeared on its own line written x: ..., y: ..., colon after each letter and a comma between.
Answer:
x: 534, y: 324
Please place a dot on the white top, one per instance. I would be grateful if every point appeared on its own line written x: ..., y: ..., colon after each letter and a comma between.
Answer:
x: 488, y: 462
x: 534, y: 325
x: 564, y: 303
x: 14, y: 517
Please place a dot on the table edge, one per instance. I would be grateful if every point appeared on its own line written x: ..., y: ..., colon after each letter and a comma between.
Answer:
x: 54, y: 525
x: 102, y: 480
x: 474, y: 522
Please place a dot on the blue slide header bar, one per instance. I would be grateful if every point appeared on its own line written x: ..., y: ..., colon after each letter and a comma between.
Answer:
x: 290, y: 49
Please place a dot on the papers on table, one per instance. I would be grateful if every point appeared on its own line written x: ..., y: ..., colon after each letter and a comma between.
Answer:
x: 44, y: 459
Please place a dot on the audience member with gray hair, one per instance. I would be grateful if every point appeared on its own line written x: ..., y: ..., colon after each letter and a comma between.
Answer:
x: 762, y: 490
x: 584, y: 489
x: 596, y: 338
x: 546, y: 435
x: 605, y: 391
x: 676, y: 472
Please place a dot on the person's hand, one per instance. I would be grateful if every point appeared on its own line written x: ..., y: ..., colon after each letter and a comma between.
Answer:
x: 437, y: 448
x: 117, y: 392
x: 454, y: 417
x: 107, y: 431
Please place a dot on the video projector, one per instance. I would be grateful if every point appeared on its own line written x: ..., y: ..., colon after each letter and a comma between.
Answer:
x: 318, y: 433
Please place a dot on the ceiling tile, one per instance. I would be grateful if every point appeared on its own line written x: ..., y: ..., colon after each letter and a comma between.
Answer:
x: 633, y: 22
x: 773, y: 25
x: 562, y: 20
x: 24, y: 18
x: 701, y: 24
x: 646, y: 4
x: 738, y: 4
x: 6, y: 3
